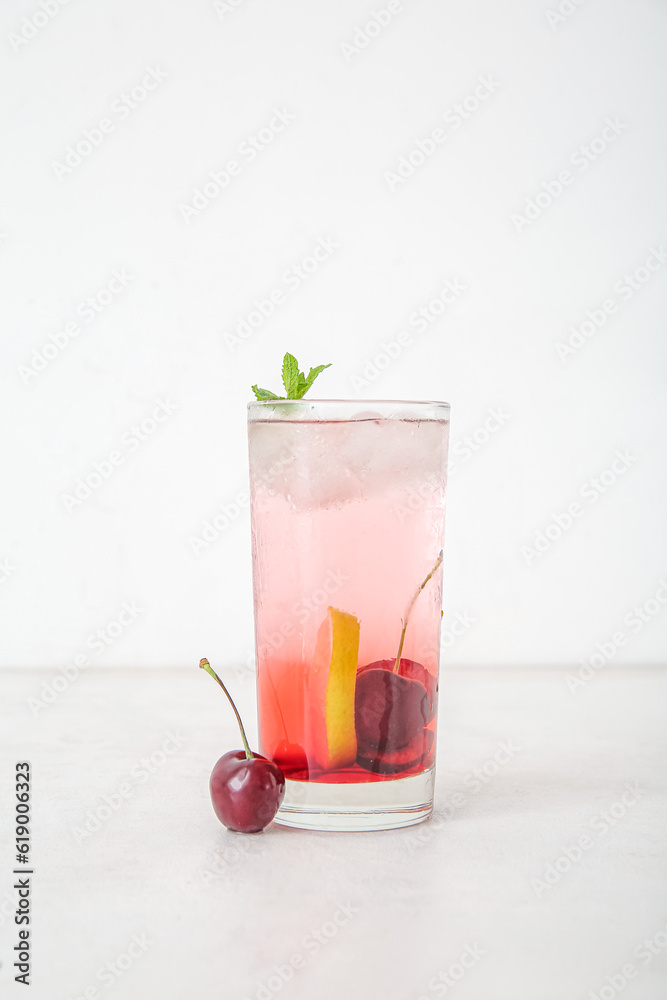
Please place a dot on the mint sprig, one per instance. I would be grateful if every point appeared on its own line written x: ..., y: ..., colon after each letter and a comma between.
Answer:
x: 265, y: 393
x: 295, y: 382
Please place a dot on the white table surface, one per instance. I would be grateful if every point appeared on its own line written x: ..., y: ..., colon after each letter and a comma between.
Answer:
x: 214, y: 913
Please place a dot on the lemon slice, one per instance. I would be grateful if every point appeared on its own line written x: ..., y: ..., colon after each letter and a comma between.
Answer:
x: 334, y: 677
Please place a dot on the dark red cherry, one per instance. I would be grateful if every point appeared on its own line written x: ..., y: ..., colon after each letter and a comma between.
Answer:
x: 412, y: 755
x: 246, y: 788
x: 390, y: 710
x: 416, y: 671
x: 246, y: 792
x: 291, y: 758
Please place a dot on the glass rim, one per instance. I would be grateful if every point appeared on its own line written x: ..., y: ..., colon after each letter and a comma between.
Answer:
x: 276, y: 409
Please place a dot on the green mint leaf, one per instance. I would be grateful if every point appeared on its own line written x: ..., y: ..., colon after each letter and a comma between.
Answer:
x: 312, y: 375
x: 296, y: 383
x: 291, y: 376
x: 302, y: 386
x: 265, y: 393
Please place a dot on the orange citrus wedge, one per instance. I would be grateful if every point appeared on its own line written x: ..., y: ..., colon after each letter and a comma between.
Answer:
x: 333, y: 680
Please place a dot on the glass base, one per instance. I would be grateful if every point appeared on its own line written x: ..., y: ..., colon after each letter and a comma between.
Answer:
x: 373, y: 805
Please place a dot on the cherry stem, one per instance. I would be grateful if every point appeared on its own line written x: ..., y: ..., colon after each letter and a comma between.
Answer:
x: 404, y: 621
x: 205, y: 665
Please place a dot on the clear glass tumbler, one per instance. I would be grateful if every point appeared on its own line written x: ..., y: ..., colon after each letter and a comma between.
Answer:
x: 347, y: 514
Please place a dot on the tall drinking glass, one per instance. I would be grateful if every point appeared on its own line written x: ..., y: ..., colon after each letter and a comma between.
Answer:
x: 347, y: 514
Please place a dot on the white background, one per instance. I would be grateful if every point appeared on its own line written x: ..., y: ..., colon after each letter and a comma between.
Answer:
x: 123, y: 839
x: 556, y: 80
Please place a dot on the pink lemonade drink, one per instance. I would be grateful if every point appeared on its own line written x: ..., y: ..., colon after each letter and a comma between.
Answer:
x: 347, y: 510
